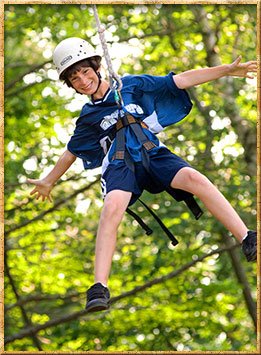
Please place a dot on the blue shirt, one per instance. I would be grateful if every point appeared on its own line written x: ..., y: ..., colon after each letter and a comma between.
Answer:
x: 156, y: 100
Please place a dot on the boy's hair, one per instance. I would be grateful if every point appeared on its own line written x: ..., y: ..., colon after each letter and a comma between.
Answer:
x: 93, y: 62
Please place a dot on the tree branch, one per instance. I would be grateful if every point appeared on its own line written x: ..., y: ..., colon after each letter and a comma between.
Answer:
x: 15, y: 65
x: 39, y: 297
x: 67, y: 318
x: 24, y: 315
x: 28, y: 71
x: 242, y: 279
x: 13, y: 93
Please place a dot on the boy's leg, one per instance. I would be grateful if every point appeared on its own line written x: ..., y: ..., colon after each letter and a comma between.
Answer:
x: 194, y: 182
x: 115, y: 204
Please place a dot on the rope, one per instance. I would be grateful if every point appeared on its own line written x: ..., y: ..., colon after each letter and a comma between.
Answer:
x: 112, y: 74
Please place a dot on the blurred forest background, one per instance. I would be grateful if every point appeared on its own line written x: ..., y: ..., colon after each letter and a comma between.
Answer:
x: 198, y: 296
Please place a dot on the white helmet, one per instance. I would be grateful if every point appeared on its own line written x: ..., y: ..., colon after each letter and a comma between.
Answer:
x: 70, y: 51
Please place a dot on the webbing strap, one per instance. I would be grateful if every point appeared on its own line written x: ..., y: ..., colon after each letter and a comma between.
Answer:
x: 193, y: 206
x: 162, y: 225
x: 120, y: 145
x: 145, y: 159
x: 129, y: 161
x: 128, y: 119
x: 147, y: 144
x: 188, y: 198
x: 121, y: 152
x: 140, y: 221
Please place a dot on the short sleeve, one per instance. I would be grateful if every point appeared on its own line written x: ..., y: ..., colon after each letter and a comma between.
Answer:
x: 170, y: 104
x: 153, y: 84
x: 84, y: 145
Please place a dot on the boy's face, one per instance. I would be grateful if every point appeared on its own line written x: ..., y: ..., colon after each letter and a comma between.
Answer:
x: 85, y: 81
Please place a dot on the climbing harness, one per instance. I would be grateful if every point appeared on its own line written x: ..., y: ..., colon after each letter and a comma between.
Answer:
x: 125, y: 119
x: 121, y: 153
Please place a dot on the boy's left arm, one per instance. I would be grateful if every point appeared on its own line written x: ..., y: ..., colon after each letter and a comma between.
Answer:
x: 200, y: 76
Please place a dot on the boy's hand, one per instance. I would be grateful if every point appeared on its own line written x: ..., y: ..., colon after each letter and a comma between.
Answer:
x: 41, y: 188
x: 242, y: 69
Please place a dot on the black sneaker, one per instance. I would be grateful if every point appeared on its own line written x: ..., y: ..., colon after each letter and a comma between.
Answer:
x: 249, y: 246
x: 98, y: 298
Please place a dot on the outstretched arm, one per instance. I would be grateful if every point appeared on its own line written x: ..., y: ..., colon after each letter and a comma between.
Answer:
x: 44, y: 186
x: 199, y: 76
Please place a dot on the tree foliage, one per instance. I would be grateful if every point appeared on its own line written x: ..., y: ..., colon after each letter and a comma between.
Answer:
x: 199, y: 296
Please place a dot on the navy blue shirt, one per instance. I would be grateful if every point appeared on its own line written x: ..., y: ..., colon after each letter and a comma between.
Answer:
x: 154, y: 99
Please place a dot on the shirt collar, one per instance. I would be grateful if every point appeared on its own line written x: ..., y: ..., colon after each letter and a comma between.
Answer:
x: 104, y: 98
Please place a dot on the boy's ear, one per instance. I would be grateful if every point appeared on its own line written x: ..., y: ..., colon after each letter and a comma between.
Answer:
x: 99, y: 69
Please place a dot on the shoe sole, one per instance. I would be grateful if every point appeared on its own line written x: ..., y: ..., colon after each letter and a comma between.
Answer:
x: 97, y: 305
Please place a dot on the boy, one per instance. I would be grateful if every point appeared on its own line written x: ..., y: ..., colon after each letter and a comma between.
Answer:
x: 149, y: 101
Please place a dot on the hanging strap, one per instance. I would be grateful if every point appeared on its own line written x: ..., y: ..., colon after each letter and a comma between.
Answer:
x: 120, y: 143
x: 121, y: 153
x: 140, y: 221
x: 188, y: 198
x: 194, y: 207
x: 146, y: 228
x: 162, y: 225
x: 147, y: 145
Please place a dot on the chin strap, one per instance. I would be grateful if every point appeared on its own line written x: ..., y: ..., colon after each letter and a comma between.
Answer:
x: 99, y: 83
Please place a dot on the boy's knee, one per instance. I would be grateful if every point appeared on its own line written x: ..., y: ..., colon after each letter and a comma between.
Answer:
x: 189, y: 178
x: 113, y: 208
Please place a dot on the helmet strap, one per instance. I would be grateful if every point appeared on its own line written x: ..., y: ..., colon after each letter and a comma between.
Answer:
x: 99, y: 83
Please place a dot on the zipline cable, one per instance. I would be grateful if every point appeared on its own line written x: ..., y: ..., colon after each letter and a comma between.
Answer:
x: 112, y: 73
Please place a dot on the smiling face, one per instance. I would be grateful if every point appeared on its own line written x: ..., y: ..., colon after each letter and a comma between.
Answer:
x: 84, y: 77
x: 85, y: 80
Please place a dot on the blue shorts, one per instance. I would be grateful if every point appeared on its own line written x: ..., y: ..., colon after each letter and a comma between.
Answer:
x: 163, y: 167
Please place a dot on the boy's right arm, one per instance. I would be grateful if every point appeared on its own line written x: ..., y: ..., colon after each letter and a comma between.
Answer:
x: 44, y: 186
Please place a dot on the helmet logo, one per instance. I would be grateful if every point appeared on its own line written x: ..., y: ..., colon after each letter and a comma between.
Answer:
x: 66, y: 60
